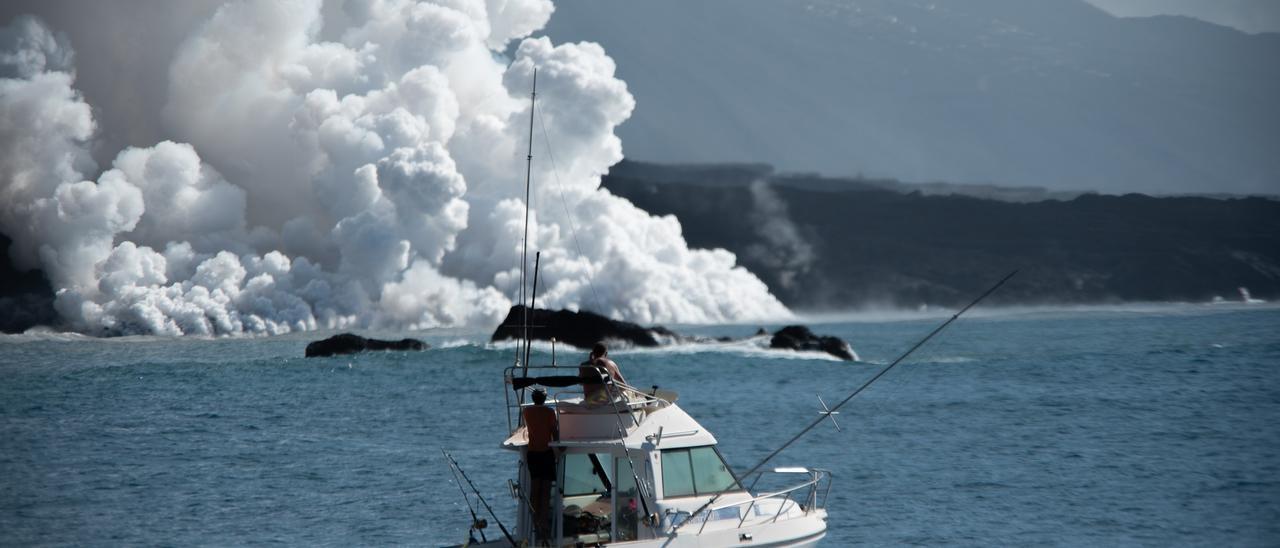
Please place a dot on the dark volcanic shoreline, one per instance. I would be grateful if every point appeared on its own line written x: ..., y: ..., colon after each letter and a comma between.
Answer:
x: 838, y: 244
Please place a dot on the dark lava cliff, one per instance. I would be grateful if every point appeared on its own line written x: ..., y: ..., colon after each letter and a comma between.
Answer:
x: 829, y: 243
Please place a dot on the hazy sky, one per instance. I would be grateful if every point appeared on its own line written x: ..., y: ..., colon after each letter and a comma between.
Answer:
x: 125, y: 64
x: 1246, y: 15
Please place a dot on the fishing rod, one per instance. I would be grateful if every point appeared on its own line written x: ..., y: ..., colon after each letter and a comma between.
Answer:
x: 454, y: 463
x: 476, y: 523
x: 614, y: 395
x: 864, y: 386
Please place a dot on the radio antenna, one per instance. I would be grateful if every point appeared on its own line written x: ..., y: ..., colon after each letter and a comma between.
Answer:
x: 524, y: 243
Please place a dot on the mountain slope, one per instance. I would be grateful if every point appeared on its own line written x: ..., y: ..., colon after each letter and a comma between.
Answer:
x: 1053, y: 93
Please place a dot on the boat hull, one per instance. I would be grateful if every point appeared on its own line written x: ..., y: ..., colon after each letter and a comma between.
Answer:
x: 796, y: 532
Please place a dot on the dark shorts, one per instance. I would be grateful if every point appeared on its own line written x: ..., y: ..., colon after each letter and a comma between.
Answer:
x: 542, y: 465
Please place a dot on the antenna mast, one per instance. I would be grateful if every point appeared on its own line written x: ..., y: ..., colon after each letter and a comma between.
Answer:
x: 524, y: 251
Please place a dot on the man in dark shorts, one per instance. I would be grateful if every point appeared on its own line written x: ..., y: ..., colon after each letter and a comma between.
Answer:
x: 540, y: 422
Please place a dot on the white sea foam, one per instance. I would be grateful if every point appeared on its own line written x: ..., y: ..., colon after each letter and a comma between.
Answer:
x: 456, y: 343
x: 754, y: 347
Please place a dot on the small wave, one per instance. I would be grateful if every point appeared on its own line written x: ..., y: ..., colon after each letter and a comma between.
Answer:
x: 41, y: 333
x: 981, y: 485
x: 754, y: 347
x: 537, y: 346
x: 455, y: 343
x: 948, y: 359
x: 923, y: 360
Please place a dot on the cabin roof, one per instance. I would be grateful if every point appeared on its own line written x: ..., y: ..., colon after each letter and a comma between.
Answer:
x: 667, y: 425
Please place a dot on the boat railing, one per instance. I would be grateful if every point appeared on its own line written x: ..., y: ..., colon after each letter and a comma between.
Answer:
x: 814, y: 496
x: 626, y: 397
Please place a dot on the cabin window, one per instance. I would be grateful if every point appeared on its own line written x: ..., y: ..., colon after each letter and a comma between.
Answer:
x: 584, y: 474
x: 710, y: 474
x: 695, y: 471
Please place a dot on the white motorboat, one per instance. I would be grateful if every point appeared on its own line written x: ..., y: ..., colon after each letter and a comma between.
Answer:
x: 639, y: 471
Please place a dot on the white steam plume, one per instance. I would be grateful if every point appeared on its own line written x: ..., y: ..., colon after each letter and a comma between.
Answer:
x: 371, y: 181
x: 781, y: 247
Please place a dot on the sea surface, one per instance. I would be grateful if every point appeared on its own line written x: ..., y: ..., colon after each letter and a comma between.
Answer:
x: 1149, y: 425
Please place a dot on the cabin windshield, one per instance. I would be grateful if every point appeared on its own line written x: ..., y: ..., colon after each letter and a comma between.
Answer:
x: 695, y: 471
x: 586, y: 474
x: 587, y: 501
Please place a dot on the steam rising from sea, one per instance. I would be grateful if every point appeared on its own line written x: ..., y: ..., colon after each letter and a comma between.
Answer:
x: 374, y: 181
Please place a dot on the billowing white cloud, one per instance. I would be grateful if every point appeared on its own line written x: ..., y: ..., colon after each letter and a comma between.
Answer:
x: 372, y: 180
x: 45, y: 126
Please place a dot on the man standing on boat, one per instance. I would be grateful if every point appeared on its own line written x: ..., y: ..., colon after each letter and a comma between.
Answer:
x: 592, y: 372
x: 540, y: 422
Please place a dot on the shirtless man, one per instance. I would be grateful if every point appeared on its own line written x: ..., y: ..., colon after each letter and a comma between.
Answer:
x: 540, y: 421
x: 593, y: 391
x: 600, y: 357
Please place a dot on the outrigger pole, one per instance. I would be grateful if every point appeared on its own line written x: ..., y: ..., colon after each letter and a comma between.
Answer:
x: 614, y: 395
x: 864, y: 386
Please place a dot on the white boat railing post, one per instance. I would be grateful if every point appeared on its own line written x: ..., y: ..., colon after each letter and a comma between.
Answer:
x: 705, y: 519
x: 746, y: 513
x: 781, y: 507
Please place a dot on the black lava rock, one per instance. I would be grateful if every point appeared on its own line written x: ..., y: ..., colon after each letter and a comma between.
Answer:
x: 584, y: 329
x: 346, y: 343
x: 799, y: 337
x: 580, y: 329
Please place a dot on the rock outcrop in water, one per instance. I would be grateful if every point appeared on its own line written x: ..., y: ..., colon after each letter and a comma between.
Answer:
x: 584, y: 329
x: 581, y: 329
x: 347, y: 343
x: 799, y: 337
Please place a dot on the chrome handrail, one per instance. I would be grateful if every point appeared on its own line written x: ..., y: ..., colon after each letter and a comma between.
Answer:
x: 817, y: 476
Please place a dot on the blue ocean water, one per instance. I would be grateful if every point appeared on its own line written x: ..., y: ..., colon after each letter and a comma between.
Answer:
x: 1155, y: 425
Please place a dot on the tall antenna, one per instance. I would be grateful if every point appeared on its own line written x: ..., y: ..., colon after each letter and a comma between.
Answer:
x: 524, y: 251
x: 533, y: 302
